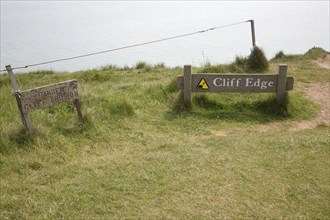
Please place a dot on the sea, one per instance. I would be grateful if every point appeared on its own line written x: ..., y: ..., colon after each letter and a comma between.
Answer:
x: 34, y: 32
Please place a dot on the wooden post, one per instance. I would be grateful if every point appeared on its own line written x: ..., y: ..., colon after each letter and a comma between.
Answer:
x: 187, y: 81
x: 253, y: 33
x: 77, y: 104
x: 24, y: 115
x: 12, y: 79
x: 281, y: 82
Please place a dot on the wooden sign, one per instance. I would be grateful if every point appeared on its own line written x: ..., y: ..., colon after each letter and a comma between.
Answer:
x: 242, y: 83
x: 43, y: 97
x: 49, y: 95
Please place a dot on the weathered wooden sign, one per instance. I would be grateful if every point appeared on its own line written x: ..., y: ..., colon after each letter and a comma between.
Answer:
x: 43, y: 97
x: 243, y: 83
x: 49, y: 95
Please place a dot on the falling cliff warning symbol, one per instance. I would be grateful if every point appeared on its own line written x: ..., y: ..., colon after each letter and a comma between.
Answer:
x: 202, y: 84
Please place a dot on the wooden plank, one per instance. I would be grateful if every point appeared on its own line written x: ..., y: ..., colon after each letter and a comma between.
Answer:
x: 245, y: 83
x: 49, y: 95
x: 234, y: 88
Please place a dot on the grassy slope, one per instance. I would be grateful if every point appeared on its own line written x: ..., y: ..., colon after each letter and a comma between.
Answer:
x: 141, y: 154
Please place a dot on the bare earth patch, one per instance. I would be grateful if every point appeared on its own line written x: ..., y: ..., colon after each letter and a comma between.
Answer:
x: 319, y: 93
x: 324, y: 61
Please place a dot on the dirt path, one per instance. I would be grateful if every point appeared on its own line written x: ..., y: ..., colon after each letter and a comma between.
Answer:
x: 319, y: 93
x: 324, y: 61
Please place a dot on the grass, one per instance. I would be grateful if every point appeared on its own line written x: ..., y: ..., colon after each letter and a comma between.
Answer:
x: 142, y: 153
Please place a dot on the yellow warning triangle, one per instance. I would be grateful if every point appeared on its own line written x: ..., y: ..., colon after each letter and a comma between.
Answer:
x: 202, y: 84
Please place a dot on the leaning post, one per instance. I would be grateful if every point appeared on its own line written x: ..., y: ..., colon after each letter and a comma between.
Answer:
x: 187, y: 82
x: 281, y: 82
x: 253, y: 33
x: 24, y: 115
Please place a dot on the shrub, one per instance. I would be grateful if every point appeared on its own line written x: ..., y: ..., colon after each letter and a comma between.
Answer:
x: 279, y: 55
x: 240, y: 61
x: 282, y: 57
x: 314, y: 53
x: 257, y: 61
x: 141, y: 65
x: 159, y: 66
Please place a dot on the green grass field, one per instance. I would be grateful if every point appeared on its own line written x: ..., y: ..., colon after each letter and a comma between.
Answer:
x: 141, y: 153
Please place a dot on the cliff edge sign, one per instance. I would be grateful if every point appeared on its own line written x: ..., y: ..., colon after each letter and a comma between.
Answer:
x: 243, y: 83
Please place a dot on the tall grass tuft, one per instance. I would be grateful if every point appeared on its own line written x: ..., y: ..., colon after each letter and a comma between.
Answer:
x: 257, y: 62
x: 141, y: 65
x: 241, y: 61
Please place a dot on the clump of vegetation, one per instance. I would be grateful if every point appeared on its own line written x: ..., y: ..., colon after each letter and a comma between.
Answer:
x: 279, y: 55
x: 143, y: 66
x: 314, y: 53
x: 257, y: 61
x: 240, y: 61
x: 282, y: 57
x: 160, y: 65
x: 311, y: 54
x: 140, y: 65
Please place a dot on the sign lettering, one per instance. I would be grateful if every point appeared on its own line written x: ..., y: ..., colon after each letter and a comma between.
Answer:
x: 50, y: 95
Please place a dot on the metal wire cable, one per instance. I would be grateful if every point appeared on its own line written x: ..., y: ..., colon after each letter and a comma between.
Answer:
x: 126, y: 47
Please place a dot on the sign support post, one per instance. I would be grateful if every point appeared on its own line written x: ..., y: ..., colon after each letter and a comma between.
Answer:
x: 77, y: 104
x: 24, y: 115
x: 281, y: 83
x: 187, y: 70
